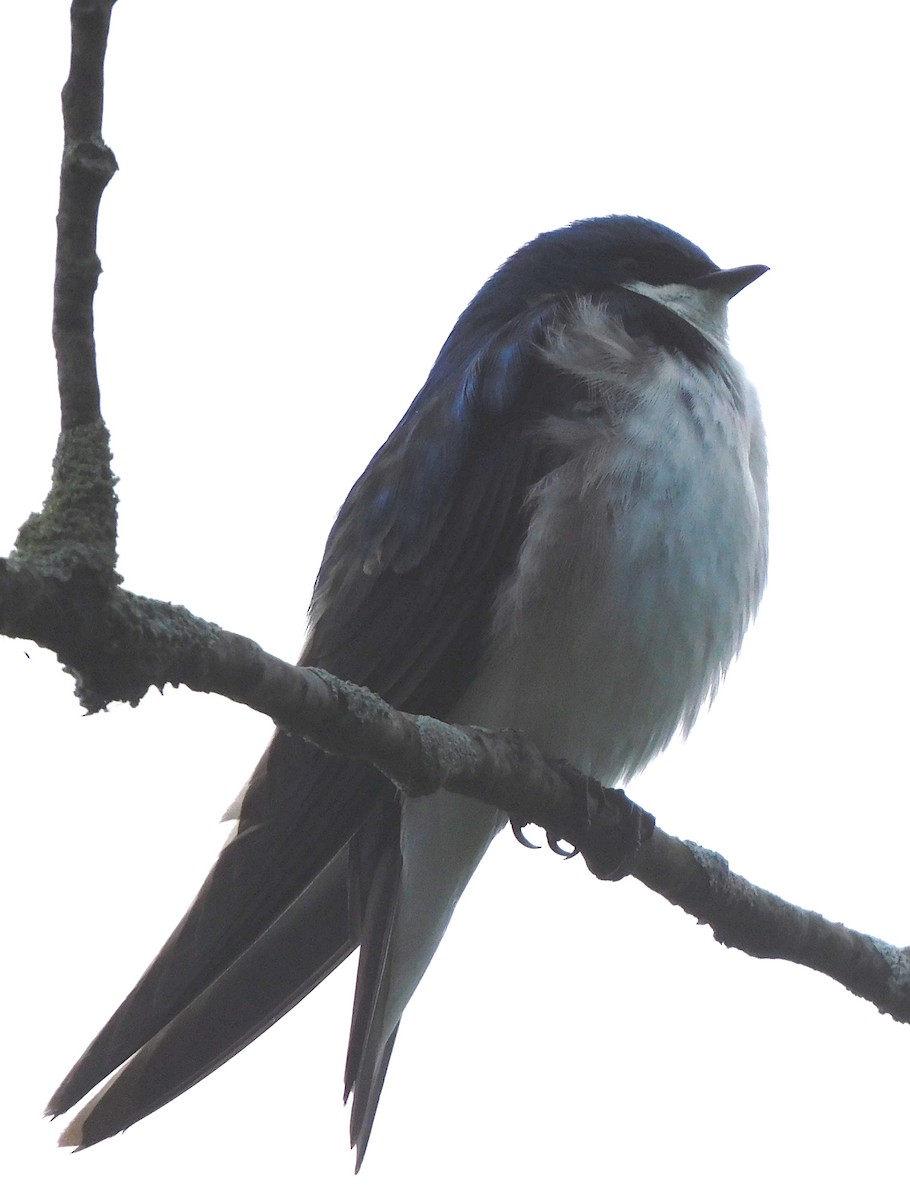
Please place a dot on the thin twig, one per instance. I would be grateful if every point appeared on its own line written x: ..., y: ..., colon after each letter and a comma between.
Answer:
x: 77, y: 527
x: 87, y: 167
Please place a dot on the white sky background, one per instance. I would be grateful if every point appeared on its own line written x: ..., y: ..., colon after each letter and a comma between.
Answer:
x: 308, y: 197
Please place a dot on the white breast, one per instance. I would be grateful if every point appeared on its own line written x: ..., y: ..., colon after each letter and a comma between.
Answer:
x: 644, y: 561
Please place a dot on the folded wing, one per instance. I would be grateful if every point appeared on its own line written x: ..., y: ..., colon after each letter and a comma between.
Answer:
x: 401, y: 604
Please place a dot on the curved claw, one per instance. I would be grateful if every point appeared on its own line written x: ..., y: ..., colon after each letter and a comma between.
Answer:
x: 519, y: 830
x: 553, y: 843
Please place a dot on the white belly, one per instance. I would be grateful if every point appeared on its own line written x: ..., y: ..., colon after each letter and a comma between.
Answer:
x: 643, y: 565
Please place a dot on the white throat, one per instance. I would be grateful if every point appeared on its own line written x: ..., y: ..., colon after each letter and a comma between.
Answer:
x: 704, y: 308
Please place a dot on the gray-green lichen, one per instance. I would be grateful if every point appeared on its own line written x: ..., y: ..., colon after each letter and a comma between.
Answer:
x: 78, y: 523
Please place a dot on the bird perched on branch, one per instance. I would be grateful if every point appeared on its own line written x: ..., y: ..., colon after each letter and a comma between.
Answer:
x: 565, y: 534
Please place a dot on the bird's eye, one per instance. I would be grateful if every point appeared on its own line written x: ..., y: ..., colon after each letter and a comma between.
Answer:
x: 628, y: 268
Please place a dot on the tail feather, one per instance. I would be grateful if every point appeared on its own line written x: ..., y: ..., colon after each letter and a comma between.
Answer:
x: 360, y: 1135
x: 285, y: 963
x: 370, y: 1045
x: 272, y: 860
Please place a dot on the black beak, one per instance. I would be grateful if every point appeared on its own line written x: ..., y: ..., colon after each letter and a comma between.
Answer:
x: 728, y: 283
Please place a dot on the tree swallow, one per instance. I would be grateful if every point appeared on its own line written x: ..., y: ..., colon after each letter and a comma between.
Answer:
x: 565, y: 534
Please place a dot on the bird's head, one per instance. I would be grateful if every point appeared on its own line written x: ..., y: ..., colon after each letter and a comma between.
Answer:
x: 602, y: 253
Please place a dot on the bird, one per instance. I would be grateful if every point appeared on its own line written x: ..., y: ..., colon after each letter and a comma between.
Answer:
x: 566, y: 534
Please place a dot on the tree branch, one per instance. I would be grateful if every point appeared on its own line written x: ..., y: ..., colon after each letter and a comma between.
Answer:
x: 117, y: 645
x: 762, y: 925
